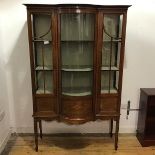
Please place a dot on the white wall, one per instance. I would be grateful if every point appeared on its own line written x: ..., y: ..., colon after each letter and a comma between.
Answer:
x: 4, y: 103
x: 139, y: 69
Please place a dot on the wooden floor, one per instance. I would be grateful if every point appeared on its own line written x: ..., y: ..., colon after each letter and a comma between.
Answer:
x: 82, y: 145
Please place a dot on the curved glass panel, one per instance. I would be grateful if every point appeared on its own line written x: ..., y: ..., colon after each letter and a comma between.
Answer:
x: 77, y: 45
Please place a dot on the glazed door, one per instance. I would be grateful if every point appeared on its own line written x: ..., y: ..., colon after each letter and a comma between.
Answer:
x: 43, y: 63
x: 110, y: 60
x: 77, y: 41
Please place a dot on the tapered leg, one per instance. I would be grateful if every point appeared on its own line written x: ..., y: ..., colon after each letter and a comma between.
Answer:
x: 116, y: 133
x: 40, y: 127
x: 36, y: 134
x: 111, y: 127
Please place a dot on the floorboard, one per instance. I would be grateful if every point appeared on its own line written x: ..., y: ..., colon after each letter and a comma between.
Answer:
x: 74, y: 145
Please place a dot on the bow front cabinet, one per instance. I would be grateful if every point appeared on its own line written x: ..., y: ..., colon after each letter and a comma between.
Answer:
x: 76, y: 56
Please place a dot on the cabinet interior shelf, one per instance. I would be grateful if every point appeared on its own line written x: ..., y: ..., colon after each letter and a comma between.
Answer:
x: 105, y: 91
x: 80, y: 91
x: 77, y: 69
x: 77, y: 40
x: 47, y: 68
x: 119, y: 40
x: 77, y: 94
x: 41, y: 91
x: 40, y: 40
x: 113, y: 68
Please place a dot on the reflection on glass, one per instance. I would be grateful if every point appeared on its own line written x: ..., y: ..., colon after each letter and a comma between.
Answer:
x: 42, y: 27
x: 77, y: 83
x: 77, y: 27
x: 44, y: 82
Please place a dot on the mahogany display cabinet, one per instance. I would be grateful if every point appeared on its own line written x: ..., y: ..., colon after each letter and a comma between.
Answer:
x: 76, y: 56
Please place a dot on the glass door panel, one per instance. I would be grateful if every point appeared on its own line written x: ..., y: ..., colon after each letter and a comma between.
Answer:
x: 111, y: 48
x: 43, y: 53
x: 77, y: 55
x: 77, y: 45
x: 42, y: 27
x: 112, y: 27
x: 109, y: 81
x: 44, y: 83
x: 77, y: 26
x: 77, y: 83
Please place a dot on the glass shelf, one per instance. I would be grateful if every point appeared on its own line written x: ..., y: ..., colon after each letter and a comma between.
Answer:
x: 113, y: 68
x: 40, y: 40
x: 38, y: 68
x: 75, y: 68
x: 41, y: 91
x: 77, y: 91
x: 77, y: 94
x: 114, y: 40
x: 77, y: 41
x: 106, y: 90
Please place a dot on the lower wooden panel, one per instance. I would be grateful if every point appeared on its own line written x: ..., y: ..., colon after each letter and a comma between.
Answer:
x: 108, y: 105
x: 46, y: 104
x: 77, y: 107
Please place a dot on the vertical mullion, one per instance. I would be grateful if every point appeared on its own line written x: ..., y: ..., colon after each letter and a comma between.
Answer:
x: 110, y: 63
x: 43, y: 65
x: 100, y: 46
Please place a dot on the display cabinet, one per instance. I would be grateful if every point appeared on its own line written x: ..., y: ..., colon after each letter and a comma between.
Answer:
x: 76, y: 55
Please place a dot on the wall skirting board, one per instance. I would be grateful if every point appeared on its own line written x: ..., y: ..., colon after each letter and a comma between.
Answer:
x: 4, y: 142
x: 52, y: 130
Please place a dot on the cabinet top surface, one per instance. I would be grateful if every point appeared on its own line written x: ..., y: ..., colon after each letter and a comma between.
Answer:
x: 148, y: 91
x: 77, y: 5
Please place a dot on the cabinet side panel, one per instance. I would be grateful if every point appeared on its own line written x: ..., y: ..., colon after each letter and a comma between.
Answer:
x: 142, y: 115
x: 31, y: 57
